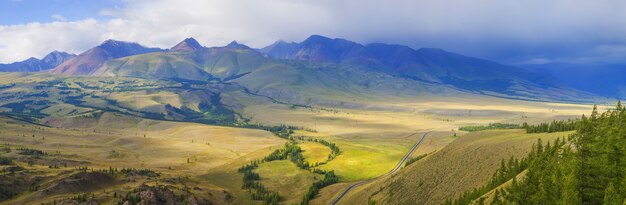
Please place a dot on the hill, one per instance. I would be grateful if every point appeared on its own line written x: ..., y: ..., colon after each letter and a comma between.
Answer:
x: 466, y: 163
x: 587, y: 170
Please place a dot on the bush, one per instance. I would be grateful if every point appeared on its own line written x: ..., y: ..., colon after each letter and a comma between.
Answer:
x: 6, y: 161
x: 491, y: 126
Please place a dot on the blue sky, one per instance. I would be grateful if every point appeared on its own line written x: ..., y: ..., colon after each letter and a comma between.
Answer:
x: 27, y: 11
x: 508, y: 31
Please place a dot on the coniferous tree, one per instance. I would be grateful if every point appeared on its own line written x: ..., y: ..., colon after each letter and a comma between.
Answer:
x: 611, y: 196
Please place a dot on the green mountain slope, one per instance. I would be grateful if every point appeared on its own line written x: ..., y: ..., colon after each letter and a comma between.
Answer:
x: 155, y: 65
x: 186, y: 62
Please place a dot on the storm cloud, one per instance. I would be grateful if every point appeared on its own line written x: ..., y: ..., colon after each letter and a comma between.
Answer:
x: 515, y: 31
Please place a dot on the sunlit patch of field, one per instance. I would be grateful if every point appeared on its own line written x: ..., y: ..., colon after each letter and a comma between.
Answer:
x: 367, y: 158
x: 314, y: 152
x: 466, y: 163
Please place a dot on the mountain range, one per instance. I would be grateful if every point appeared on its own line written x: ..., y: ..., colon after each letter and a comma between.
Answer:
x: 322, y: 62
x: 426, y: 64
x: 50, y: 61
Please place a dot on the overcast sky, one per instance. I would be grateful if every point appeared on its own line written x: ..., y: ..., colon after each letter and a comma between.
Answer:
x: 508, y: 31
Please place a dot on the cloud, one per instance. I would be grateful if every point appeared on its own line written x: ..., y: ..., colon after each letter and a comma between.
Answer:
x: 509, y: 31
x: 37, y: 39
x: 58, y: 17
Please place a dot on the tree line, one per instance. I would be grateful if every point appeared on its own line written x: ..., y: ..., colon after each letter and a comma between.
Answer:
x: 550, y: 127
x: 251, y: 181
x: 491, y: 126
x: 414, y: 159
x: 329, y: 178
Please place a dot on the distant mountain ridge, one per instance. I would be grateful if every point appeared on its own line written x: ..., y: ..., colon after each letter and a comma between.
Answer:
x: 189, y: 60
x: 50, y: 61
x: 425, y: 64
x: 316, y: 63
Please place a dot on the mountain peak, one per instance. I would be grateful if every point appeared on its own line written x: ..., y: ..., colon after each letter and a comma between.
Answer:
x: 58, y: 53
x: 55, y: 58
x: 31, y: 59
x: 235, y: 44
x: 189, y: 44
x: 317, y: 39
x: 111, y: 42
x: 278, y: 44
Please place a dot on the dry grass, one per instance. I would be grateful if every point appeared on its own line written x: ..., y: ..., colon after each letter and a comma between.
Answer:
x: 161, y: 146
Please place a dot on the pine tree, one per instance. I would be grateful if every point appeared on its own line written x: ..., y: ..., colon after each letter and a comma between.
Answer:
x: 611, y: 196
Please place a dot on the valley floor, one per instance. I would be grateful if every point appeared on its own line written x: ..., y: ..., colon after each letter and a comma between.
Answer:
x: 197, y: 162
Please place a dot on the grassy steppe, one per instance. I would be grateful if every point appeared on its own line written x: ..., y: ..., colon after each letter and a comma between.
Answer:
x: 373, y: 130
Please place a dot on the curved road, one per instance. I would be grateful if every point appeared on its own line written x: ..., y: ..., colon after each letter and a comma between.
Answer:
x: 394, y: 170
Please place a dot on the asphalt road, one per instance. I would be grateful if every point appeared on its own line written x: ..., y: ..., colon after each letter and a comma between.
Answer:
x: 394, y: 170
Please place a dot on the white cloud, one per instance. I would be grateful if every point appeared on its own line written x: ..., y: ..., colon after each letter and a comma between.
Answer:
x: 58, y: 17
x: 37, y: 39
x: 485, y: 28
